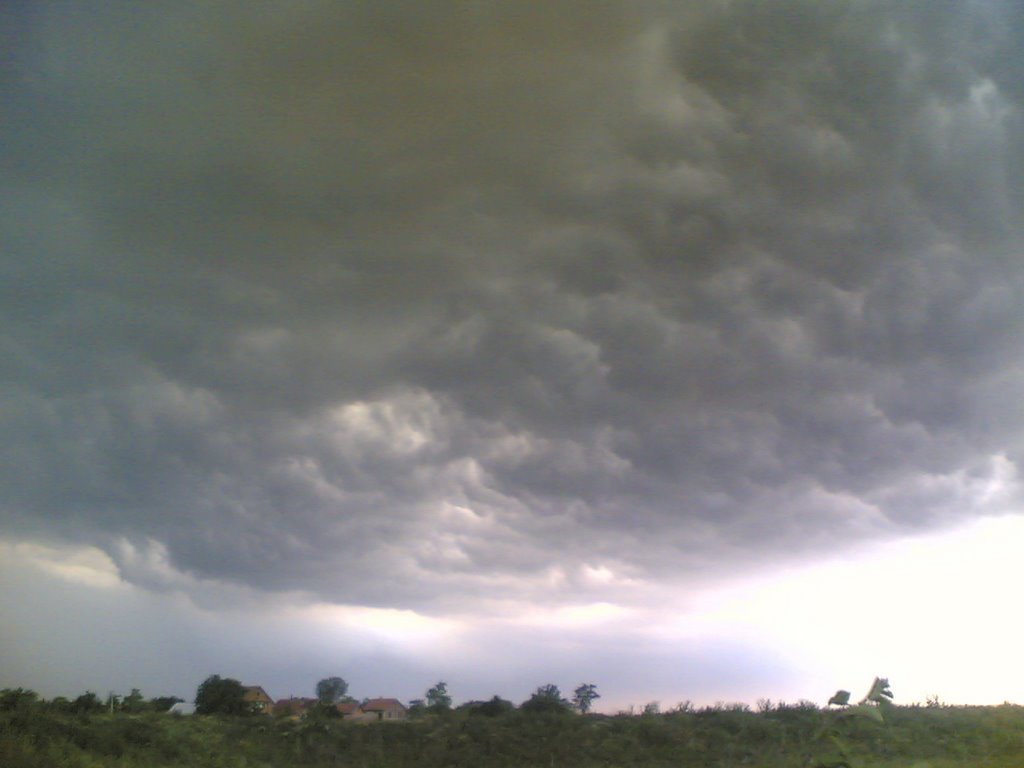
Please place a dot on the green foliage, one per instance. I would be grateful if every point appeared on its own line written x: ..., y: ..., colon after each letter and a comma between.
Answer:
x: 841, y: 698
x: 331, y: 690
x: 494, y: 707
x: 37, y: 736
x: 133, y: 702
x: 60, y: 704
x: 86, y: 703
x: 880, y: 692
x: 438, y: 698
x: 838, y: 724
x: 864, y: 710
x: 584, y: 695
x: 546, y: 699
x: 221, y: 696
x: 417, y: 708
x: 17, y: 698
x: 322, y: 711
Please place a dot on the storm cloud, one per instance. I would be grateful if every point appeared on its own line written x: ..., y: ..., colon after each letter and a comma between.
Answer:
x: 439, y: 305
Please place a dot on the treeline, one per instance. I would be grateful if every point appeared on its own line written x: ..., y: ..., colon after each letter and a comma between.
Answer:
x: 218, y: 695
x: 225, y: 696
x: 12, y: 699
x: 35, y: 735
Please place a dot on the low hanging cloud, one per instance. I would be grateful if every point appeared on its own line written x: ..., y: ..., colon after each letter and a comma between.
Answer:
x: 433, y: 306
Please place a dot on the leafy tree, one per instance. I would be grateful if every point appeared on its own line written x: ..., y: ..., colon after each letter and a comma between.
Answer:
x: 880, y: 692
x: 438, y: 698
x: 417, y: 707
x: 220, y: 696
x: 17, y: 698
x: 86, y: 703
x: 841, y: 698
x: 60, y: 704
x: 547, y: 698
x: 331, y: 690
x: 584, y: 696
x: 494, y: 707
x: 133, y: 702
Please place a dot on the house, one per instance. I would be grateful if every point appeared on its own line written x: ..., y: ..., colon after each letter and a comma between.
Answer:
x: 385, y: 709
x: 257, y: 699
x: 182, y: 708
x: 293, y: 707
x: 349, y: 709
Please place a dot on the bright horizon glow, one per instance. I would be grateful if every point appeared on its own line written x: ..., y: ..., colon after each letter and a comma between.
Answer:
x: 932, y: 613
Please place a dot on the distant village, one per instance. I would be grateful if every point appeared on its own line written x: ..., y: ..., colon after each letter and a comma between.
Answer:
x: 217, y: 695
x: 368, y: 711
x: 260, y: 702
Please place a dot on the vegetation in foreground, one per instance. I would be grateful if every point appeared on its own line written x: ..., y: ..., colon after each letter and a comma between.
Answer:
x: 34, y: 734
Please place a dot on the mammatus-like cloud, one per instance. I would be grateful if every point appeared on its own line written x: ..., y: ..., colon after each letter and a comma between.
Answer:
x: 413, y: 306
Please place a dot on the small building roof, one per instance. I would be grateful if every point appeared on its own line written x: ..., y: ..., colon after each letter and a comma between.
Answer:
x: 380, y: 705
x: 256, y: 693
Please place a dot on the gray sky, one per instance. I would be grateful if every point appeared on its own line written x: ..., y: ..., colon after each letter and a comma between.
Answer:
x: 490, y: 341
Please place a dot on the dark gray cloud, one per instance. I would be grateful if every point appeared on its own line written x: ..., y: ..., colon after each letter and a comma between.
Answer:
x: 409, y: 304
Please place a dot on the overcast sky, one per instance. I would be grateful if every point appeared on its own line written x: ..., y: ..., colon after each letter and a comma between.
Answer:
x: 676, y: 347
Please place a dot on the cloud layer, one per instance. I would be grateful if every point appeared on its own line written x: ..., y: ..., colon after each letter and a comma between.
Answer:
x: 430, y: 305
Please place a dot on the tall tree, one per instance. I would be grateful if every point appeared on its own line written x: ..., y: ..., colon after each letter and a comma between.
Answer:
x: 417, y: 707
x: 438, y: 698
x: 331, y: 690
x: 217, y: 695
x: 584, y: 696
x: 87, y: 702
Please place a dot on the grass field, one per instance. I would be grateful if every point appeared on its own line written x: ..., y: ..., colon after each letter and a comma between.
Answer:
x: 911, y: 737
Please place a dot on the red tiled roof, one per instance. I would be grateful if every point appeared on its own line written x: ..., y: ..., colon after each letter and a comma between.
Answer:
x: 377, y: 705
x: 293, y: 706
x: 348, y: 707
